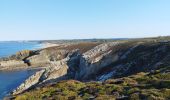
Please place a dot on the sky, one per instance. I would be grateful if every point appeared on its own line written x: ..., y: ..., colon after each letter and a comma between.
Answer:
x: 83, y: 19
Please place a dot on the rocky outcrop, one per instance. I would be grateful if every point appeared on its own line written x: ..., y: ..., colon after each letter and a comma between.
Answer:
x: 38, y: 60
x: 57, y: 70
x: 44, y: 57
x: 97, y: 58
x: 31, y: 81
x: 12, y: 64
x: 107, y: 60
x: 24, y: 54
x: 77, y: 66
x: 31, y: 59
x: 16, y: 61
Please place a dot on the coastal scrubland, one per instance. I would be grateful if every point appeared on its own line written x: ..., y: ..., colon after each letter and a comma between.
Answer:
x: 142, y: 86
x: 129, y: 69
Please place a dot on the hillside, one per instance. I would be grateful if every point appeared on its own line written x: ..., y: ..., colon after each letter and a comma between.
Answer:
x: 122, y: 69
x: 142, y: 86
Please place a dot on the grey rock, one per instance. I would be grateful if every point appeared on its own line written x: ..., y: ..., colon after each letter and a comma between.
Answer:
x: 95, y: 59
x: 31, y: 81
x: 53, y: 72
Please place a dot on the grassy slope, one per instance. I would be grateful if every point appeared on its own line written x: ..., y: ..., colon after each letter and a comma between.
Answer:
x: 148, y: 86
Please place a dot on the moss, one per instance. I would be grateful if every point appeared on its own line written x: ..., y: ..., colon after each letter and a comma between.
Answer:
x: 152, y: 97
x: 134, y: 96
x: 22, y: 97
x: 133, y: 90
x: 166, y: 93
x: 86, y: 96
x: 163, y: 76
x: 105, y: 97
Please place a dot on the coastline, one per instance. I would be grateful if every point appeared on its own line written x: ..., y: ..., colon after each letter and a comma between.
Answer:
x: 23, y: 66
x: 15, y: 78
x: 38, y: 46
x: 22, y: 69
x: 47, y: 45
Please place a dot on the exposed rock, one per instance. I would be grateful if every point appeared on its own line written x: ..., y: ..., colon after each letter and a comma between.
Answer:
x: 9, y: 65
x: 31, y: 81
x: 62, y: 69
x: 44, y: 57
x: 38, y: 60
x: 107, y: 60
x: 95, y: 59
x: 106, y: 76
x: 57, y: 70
x: 124, y: 56
x: 30, y: 59
x: 24, y: 54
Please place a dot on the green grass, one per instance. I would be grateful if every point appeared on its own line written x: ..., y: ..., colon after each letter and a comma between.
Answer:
x: 148, y: 86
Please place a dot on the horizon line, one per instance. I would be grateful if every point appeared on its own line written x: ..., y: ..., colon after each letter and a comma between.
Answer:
x: 85, y: 39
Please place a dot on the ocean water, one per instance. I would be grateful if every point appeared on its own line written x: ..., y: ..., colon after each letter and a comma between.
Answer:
x: 10, y: 80
x: 9, y: 48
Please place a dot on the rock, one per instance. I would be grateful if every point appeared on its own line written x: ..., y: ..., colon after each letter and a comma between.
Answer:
x: 106, y: 76
x: 38, y: 60
x: 16, y: 61
x: 62, y: 69
x: 9, y: 65
x: 124, y: 56
x: 116, y: 94
x: 45, y: 56
x: 57, y: 70
x: 23, y: 54
x: 31, y: 81
x: 25, y: 58
x: 95, y: 59
x: 107, y: 60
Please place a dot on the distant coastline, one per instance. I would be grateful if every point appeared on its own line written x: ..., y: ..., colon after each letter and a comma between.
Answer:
x: 47, y: 45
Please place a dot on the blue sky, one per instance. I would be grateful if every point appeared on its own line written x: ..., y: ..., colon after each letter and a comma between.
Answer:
x: 78, y: 19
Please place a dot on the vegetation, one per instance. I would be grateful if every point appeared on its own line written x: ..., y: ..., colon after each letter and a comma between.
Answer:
x: 142, y: 73
x: 154, y: 85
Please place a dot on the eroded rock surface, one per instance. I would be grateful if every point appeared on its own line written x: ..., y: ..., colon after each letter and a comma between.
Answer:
x: 31, y: 81
x: 9, y: 65
x: 95, y: 59
x: 98, y: 62
x: 57, y: 70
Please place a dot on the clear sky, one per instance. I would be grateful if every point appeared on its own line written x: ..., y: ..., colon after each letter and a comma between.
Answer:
x: 78, y: 19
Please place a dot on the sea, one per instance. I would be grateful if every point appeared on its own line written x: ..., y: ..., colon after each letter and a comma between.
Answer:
x: 11, y: 79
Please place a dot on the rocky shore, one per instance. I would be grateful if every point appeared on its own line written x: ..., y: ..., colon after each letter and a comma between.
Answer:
x: 26, y: 59
x: 91, y: 61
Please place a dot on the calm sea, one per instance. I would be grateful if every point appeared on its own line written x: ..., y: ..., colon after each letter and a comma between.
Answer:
x: 10, y: 80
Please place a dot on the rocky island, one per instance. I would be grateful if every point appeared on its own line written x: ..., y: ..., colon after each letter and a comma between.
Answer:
x: 130, y: 69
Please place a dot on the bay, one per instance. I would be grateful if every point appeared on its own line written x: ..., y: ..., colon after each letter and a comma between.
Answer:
x: 11, y: 79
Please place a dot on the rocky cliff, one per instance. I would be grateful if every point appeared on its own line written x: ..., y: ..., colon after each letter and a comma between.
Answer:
x: 96, y: 61
x: 42, y: 58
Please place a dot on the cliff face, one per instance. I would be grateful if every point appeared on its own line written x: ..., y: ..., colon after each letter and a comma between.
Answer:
x: 140, y: 57
x: 95, y: 59
x: 99, y: 62
x: 5, y: 65
x: 42, y: 58
x: 31, y: 81
x: 57, y: 70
